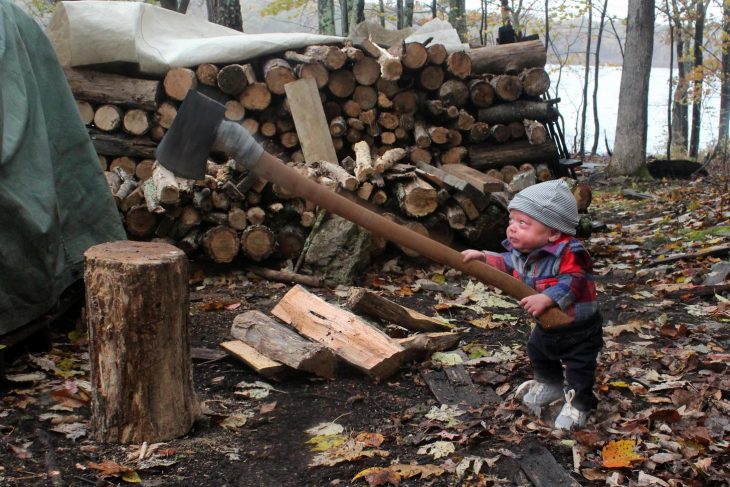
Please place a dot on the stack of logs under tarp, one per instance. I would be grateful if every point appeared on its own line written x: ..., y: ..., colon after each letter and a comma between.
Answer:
x: 423, y: 134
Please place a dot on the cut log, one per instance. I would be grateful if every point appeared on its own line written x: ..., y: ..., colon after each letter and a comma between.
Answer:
x: 167, y: 191
x: 108, y: 118
x: 423, y: 344
x: 454, y: 92
x: 437, y: 54
x: 258, y: 242
x: 277, y: 73
x: 481, y: 93
x: 104, y: 88
x: 513, y: 152
x: 431, y: 78
x: 416, y: 197
x: 518, y: 111
x: 366, y: 71
x: 220, y: 244
x: 140, y: 222
x: 516, y: 129
x: 290, y: 242
x: 232, y: 79
x: 358, y: 343
x: 420, y: 134
x: 178, y: 81
x: 479, y: 132
x: 413, y: 55
x: 365, y: 96
x: 536, y: 132
x: 314, y: 71
x: 339, y: 174
x: 237, y: 219
x: 535, y: 81
x: 364, y: 301
x: 508, y: 58
x: 508, y: 173
x: 131, y: 322
x: 353, y: 53
x: 332, y: 57
x: 388, y: 159
x: 499, y: 133
x: 391, y: 68
x: 255, y: 96
x: 256, y: 215
x: 86, y: 111
x: 506, y: 87
x: 341, y: 83
x: 207, y: 74
x: 454, y: 155
x: 261, y: 364
x: 478, y: 179
x: 443, y: 179
x: 456, y: 217
x: 136, y: 122
x: 418, y: 154
x: 459, y: 64
x: 278, y: 342
x: 234, y: 111
x: 287, y: 277
x: 127, y: 164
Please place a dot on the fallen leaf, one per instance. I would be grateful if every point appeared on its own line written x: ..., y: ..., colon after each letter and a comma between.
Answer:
x: 268, y: 407
x: 620, y: 454
x: 646, y: 479
x: 437, y: 449
x: 325, y: 429
x: 254, y: 390
x: 29, y: 377
x: 236, y: 420
x: 73, y: 431
x: 20, y: 452
x: 131, y: 477
x: 370, y: 439
x: 348, y: 451
x: 447, y: 358
x: 633, y: 326
x: 108, y: 468
x: 326, y: 442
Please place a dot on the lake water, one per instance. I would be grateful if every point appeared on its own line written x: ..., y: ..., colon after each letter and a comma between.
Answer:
x: 609, y: 82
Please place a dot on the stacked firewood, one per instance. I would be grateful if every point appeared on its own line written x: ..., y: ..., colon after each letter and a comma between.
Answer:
x: 432, y: 138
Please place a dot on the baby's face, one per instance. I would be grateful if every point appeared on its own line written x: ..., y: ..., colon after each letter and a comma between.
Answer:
x: 527, y: 234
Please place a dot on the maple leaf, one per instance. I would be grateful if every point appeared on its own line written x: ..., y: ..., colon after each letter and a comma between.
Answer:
x: 437, y: 449
x: 620, y: 454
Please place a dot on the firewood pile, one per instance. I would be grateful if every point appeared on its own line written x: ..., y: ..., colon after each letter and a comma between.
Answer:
x: 438, y: 141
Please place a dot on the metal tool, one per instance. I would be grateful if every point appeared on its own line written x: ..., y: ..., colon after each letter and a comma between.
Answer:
x: 199, y: 128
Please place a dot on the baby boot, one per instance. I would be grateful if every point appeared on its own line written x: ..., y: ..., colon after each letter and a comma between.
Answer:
x: 570, y: 417
x: 539, y: 394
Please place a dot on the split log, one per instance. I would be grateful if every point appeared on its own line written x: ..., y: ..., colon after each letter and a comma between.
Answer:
x: 276, y: 341
x: 332, y: 57
x: 478, y: 179
x: 388, y: 159
x: 167, y: 191
x: 104, y: 88
x: 339, y: 174
x: 310, y: 121
x: 459, y: 64
x: 277, y: 73
x: 260, y: 363
x: 363, y: 161
x: 364, y: 301
x: 506, y: 87
x: 258, y: 242
x: 454, y: 92
x: 358, y: 343
x: 508, y: 58
x: 535, y: 82
x: 425, y: 344
x: 518, y: 111
x: 130, y: 322
x: 391, y: 68
x: 108, y: 118
x: 536, y: 132
x: 220, y: 244
x: 178, y: 81
x: 444, y: 179
x: 416, y: 197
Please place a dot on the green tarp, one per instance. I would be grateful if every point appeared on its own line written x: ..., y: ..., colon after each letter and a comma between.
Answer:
x: 54, y: 203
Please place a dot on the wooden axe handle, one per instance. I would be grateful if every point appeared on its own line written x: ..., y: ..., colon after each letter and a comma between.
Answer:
x: 275, y: 171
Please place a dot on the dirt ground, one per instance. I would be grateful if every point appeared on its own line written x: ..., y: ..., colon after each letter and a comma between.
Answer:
x: 662, y: 380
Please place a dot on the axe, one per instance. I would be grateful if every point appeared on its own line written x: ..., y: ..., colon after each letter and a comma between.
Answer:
x: 199, y: 128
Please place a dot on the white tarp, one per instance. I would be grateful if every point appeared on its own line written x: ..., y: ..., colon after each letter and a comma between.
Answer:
x: 157, y: 39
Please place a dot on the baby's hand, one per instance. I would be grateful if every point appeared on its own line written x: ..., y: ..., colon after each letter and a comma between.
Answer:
x: 536, y: 304
x: 472, y: 254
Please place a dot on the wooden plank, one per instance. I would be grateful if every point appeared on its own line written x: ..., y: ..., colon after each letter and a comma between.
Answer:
x: 453, y: 386
x: 348, y: 336
x: 486, y: 184
x: 258, y: 362
x: 282, y: 344
x: 541, y: 467
x: 365, y: 301
x: 442, y: 178
x: 310, y: 121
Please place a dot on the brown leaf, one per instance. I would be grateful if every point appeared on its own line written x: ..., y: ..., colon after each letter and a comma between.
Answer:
x: 383, y: 477
x: 698, y: 434
x: 20, y: 452
x: 666, y: 415
x: 671, y: 331
x: 591, y: 439
x: 108, y: 468
x: 267, y: 407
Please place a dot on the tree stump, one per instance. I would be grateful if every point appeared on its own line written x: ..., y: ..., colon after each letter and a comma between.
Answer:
x: 139, y: 348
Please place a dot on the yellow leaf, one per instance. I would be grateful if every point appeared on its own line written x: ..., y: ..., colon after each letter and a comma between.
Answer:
x: 326, y: 442
x: 131, y: 477
x: 620, y: 453
x: 367, y: 471
x: 439, y: 279
x: 619, y: 383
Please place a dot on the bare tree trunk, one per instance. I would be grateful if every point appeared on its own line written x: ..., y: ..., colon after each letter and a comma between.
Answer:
x: 671, y: 76
x: 181, y: 7
x: 724, y: 124
x: 399, y: 14
x: 596, y: 124
x: 630, y: 146
x: 381, y: 12
x: 345, y: 16
x: 680, y: 126
x: 547, y: 24
x: 586, y: 77
x: 483, y: 22
x: 694, y: 140
x: 408, y: 13
x: 357, y: 11
x: 326, y: 15
x: 225, y: 12
x: 434, y: 10
x: 457, y: 17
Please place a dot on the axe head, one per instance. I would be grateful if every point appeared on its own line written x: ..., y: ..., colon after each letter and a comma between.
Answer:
x: 185, y: 147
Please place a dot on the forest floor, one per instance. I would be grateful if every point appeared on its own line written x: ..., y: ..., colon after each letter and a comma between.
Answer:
x: 663, y: 382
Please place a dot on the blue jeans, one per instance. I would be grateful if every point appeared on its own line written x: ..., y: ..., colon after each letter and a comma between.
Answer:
x: 568, y: 356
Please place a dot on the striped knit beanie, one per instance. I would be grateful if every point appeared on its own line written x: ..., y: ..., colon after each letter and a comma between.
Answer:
x: 551, y: 203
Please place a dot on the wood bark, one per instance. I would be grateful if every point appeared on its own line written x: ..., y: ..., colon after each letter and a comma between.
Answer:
x: 258, y: 242
x: 139, y: 347
x: 508, y: 58
x: 515, y: 152
x: 416, y: 197
x: 104, y: 88
x: 518, y: 111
